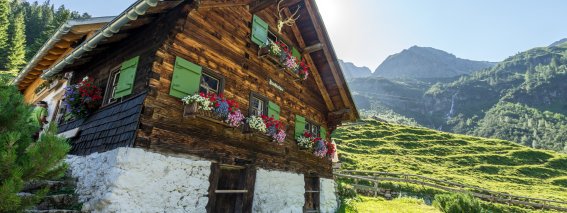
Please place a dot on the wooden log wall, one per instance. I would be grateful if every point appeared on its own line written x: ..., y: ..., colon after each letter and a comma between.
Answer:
x: 219, y: 39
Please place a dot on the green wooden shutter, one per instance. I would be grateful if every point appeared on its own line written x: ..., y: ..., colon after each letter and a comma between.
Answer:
x: 299, y: 125
x: 259, y: 31
x: 126, y: 78
x: 323, y: 133
x: 186, y: 78
x: 295, y: 53
x: 273, y: 110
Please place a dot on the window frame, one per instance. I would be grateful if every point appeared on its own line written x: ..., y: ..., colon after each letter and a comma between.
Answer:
x: 312, y: 125
x: 262, y: 99
x: 111, y: 84
x: 214, y: 75
x: 313, y: 191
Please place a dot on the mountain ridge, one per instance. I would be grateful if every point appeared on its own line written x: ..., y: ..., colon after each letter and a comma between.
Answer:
x: 427, y: 62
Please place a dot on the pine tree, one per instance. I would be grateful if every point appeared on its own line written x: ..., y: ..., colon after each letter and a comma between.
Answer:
x: 22, y: 159
x: 4, y: 23
x: 17, y: 46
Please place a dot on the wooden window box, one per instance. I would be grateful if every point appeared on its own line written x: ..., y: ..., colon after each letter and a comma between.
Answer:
x: 191, y: 111
x: 264, y: 52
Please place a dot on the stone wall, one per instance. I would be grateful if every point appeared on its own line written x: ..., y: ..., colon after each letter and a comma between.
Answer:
x: 327, y: 197
x: 276, y: 191
x: 134, y: 180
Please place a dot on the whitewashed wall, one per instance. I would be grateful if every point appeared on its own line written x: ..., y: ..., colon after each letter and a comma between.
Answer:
x: 277, y: 191
x: 134, y: 180
x: 328, y: 197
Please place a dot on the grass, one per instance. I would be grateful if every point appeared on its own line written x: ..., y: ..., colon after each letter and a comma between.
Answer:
x: 492, y: 164
x: 401, y: 205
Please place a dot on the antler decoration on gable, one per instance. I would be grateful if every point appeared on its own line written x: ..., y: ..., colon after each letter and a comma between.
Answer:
x: 289, y: 21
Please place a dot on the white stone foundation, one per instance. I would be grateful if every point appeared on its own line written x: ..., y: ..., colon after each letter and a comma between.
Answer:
x: 276, y: 191
x: 328, y: 197
x: 134, y: 180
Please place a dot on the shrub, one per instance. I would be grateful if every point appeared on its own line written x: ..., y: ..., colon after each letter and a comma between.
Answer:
x: 21, y: 158
x: 346, y: 191
x: 457, y: 203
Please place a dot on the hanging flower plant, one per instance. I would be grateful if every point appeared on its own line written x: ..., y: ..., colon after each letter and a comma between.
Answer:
x: 331, y: 149
x: 83, y: 98
x: 235, y: 119
x: 202, y: 102
x: 305, y: 141
x: 281, y: 51
x: 257, y: 123
x: 226, y: 110
x: 274, y: 129
x: 320, y: 148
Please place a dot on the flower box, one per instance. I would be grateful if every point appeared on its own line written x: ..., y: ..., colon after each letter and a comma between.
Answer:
x: 279, y: 54
x: 214, y: 108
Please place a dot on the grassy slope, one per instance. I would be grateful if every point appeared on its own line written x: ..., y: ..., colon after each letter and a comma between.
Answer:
x: 488, y: 163
x: 402, y: 205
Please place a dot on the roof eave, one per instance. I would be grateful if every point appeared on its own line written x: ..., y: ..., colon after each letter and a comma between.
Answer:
x: 138, y: 8
x: 63, y: 30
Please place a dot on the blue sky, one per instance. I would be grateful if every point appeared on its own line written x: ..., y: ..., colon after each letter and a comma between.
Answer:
x: 367, y: 31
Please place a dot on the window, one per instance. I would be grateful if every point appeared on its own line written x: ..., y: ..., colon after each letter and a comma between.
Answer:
x: 258, y: 105
x: 111, y: 86
x: 230, y: 187
x: 311, y: 194
x: 210, y: 84
x: 312, y: 128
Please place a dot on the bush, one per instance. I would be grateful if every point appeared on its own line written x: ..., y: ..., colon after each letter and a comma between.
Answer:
x: 21, y: 158
x: 346, y: 191
x: 457, y: 203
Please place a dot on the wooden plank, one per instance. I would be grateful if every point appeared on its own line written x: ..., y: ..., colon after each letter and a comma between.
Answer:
x: 260, y: 5
x: 217, y: 4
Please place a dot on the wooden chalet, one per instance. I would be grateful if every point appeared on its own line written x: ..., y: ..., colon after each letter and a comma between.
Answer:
x: 157, y: 52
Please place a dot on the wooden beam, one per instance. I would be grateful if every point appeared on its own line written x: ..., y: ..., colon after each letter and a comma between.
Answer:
x: 219, y: 3
x: 63, y: 44
x: 313, y: 48
x: 260, y: 5
x: 317, y: 22
x: 57, y: 51
x: 319, y: 82
x: 295, y: 30
x: 314, y: 71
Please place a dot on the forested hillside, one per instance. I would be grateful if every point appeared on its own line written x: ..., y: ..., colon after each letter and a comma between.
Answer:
x: 522, y: 99
x: 25, y: 27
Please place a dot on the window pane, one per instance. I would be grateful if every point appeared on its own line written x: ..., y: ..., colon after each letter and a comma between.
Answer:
x: 209, y: 84
x: 257, y: 106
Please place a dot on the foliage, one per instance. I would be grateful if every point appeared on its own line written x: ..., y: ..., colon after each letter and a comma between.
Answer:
x: 519, y: 99
x: 274, y: 129
x: 225, y: 109
x: 25, y: 26
x: 493, y: 164
x: 4, y: 24
x: 282, y: 52
x: 305, y: 141
x: 526, y: 125
x: 22, y: 159
x: 256, y: 123
x: 457, y: 203
x: 398, y: 205
x: 17, y: 45
x: 83, y: 98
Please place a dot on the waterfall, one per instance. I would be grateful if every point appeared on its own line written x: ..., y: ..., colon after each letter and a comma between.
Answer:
x: 452, y: 105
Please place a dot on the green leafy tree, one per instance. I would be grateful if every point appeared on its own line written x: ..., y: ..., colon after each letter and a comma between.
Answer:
x: 17, y: 45
x: 4, y: 23
x: 22, y: 159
